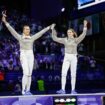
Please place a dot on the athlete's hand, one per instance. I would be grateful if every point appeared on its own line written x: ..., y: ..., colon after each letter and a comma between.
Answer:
x: 85, y: 23
x: 4, y: 16
x: 52, y: 26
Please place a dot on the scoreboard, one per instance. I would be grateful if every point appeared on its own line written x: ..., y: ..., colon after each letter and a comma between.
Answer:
x: 87, y: 3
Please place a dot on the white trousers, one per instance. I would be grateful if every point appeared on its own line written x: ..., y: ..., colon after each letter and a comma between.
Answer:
x: 27, y: 62
x: 70, y: 60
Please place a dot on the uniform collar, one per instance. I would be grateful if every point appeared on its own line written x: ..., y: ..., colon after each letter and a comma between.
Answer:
x: 70, y: 38
x: 25, y: 37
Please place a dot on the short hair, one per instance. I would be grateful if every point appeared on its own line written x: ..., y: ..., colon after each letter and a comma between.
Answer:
x: 25, y: 25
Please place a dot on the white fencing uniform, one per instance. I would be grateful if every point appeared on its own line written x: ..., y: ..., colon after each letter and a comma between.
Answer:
x: 70, y: 58
x: 26, y: 54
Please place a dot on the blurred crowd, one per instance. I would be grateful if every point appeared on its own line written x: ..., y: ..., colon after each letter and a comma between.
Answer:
x: 48, y: 54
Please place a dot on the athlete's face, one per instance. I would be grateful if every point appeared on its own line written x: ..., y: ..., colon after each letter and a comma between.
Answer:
x: 26, y: 30
x: 70, y: 33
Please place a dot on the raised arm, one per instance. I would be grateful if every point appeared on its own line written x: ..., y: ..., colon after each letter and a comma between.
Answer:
x: 54, y: 36
x: 39, y: 34
x: 82, y: 36
x: 12, y: 31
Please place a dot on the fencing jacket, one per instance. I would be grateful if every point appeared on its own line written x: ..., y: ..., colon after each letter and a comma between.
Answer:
x: 70, y: 44
x: 26, y: 43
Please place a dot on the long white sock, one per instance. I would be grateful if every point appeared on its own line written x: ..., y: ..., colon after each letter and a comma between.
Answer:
x: 63, y: 82
x: 24, y: 83
x: 73, y: 82
x: 28, y: 83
